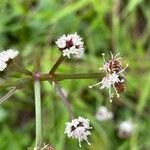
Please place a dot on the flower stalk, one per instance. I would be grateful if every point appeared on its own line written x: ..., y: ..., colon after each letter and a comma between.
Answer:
x: 56, y: 65
x: 21, y: 69
x: 37, y: 91
x: 77, y: 76
x: 63, y: 98
x: 60, y: 77
x: 19, y: 82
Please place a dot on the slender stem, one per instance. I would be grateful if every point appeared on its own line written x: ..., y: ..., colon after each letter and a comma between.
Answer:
x: 19, y: 82
x: 9, y: 94
x: 56, y: 65
x: 21, y: 69
x: 77, y: 76
x: 37, y: 90
x: 37, y: 59
x: 64, y: 99
x: 59, y: 77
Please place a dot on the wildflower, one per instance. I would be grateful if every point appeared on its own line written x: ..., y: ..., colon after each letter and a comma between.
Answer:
x: 110, y: 80
x: 6, y: 57
x: 103, y: 114
x: 78, y: 129
x: 114, y: 76
x: 113, y: 65
x: 71, y: 44
x: 125, y: 129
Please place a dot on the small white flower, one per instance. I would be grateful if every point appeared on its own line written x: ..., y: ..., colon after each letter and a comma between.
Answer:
x: 6, y: 56
x: 78, y: 129
x: 109, y: 81
x: 114, y: 78
x: 125, y: 129
x: 71, y: 44
x: 103, y: 114
x: 106, y: 83
x: 114, y: 75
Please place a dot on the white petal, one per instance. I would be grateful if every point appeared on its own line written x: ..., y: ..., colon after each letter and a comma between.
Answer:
x: 12, y: 53
x: 3, y: 65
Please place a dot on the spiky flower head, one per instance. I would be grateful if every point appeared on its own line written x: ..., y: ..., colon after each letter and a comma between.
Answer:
x: 78, y: 129
x: 114, y: 75
x: 71, y: 44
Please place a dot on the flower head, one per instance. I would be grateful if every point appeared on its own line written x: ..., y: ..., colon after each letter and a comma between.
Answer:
x: 103, y: 114
x: 71, y: 44
x: 114, y: 75
x: 78, y: 129
x: 112, y: 65
x: 6, y: 57
x: 125, y: 129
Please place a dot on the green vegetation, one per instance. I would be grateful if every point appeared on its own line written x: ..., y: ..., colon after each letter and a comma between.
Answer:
x: 32, y: 26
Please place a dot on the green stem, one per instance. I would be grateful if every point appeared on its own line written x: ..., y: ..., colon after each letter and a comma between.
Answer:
x: 76, y: 76
x: 37, y: 90
x: 59, y: 77
x: 20, y: 82
x: 37, y: 60
x: 56, y: 65
x: 21, y: 69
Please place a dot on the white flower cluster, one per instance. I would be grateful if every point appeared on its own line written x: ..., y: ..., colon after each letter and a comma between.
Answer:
x: 125, y: 129
x: 6, y: 56
x: 114, y: 76
x: 71, y: 44
x: 108, y: 81
x: 78, y: 129
x: 103, y: 114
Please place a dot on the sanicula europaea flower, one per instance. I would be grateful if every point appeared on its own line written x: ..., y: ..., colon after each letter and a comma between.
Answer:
x: 125, y: 129
x: 114, y: 75
x: 78, y: 129
x: 71, y: 44
x: 103, y: 114
x: 6, y: 57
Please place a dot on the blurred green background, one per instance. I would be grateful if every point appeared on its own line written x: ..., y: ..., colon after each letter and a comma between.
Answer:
x: 32, y: 26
